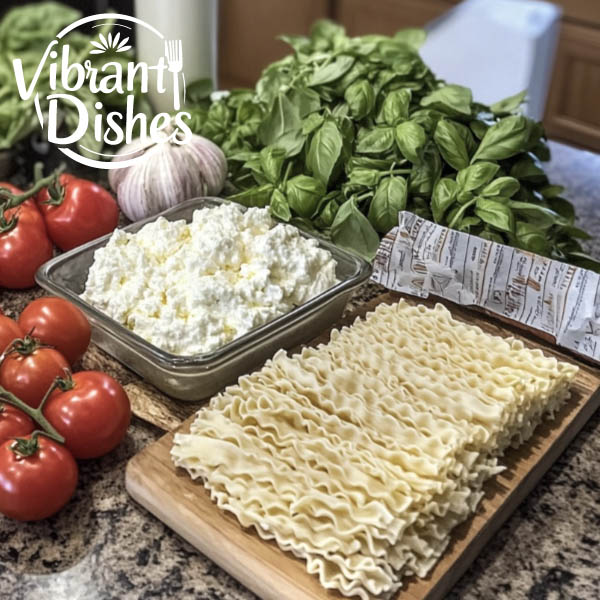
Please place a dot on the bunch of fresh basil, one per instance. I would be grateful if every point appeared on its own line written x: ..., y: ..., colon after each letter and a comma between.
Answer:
x: 345, y: 132
x: 25, y: 32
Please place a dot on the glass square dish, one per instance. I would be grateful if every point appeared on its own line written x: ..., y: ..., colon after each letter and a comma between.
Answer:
x: 200, y: 376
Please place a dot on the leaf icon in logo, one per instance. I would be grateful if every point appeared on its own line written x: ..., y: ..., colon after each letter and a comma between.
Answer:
x: 110, y: 43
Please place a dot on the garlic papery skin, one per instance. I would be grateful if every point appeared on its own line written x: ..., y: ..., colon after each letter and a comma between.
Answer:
x: 166, y: 175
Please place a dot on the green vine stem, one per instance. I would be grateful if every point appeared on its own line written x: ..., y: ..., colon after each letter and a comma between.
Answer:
x: 36, y: 413
x: 25, y: 447
x: 24, y: 346
x: 8, y: 200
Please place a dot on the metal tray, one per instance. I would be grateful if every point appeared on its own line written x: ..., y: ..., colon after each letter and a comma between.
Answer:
x: 195, y: 377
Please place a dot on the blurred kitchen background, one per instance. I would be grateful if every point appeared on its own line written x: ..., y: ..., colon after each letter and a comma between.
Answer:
x: 496, y: 47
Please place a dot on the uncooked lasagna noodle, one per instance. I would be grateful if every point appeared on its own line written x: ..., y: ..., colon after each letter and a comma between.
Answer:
x: 361, y: 455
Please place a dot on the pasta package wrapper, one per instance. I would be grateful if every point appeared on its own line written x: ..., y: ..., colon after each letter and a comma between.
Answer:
x: 560, y: 301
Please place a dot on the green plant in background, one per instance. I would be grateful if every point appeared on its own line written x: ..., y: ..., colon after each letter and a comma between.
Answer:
x: 25, y: 32
x: 345, y: 132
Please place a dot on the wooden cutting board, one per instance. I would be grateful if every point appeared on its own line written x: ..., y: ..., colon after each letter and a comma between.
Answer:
x: 272, y: 574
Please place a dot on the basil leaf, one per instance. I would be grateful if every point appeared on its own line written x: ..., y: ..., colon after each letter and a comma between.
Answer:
x: 542, y: 216
x: 243, y: 156
x: 492, y: 236
x: 581, y: 259
x: 365, y: 177
x: 395, y: 107
x: 564, y: 208
x: 327, y: 215
x: 324, y: 151
x: 451, y: 139
x: 357, y: 71
x: 476, y: 175
x: 453, y: 100
x: 541, y: 151
x: 271, y: 161
x: 479, y: 128
x: 423, y: 177
x: 256, y: 196
x: 305, y: 225
x: 248, y: 111
x: 575, y: 232
x: 308, y: 101
x: 389, y: 199
x: 463, y: 197
x: 420, y: 206
x: 526, y: 170
x: 503, y: 186
x: 312, y: 122
x: 272, y: 81
x: 495, y: 213
x: 411, y: 139
x: 299, y: 43
x: 468, y: 222
x: 254, y: 166
x: 412, y: 36
x: 530, y: 237
x: 360, y: 98
x: 331, y: 71
x: 351, y: 230
x: 291, y: 142
x: 504, y: 139
x: 427, y: 118
x: 281, y: 119
x: 375, y: 141
x: 551, y: 191
x: 303, y: 194
x: 279, y: 206
x: 443, y: 197
x: 537, y: 134
x: 324, y: 34
x: 508, y: 105
x: 368, y: 163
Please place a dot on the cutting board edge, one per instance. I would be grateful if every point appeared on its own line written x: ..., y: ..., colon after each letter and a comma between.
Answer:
x: 513, y: 500
x: 267, y: 589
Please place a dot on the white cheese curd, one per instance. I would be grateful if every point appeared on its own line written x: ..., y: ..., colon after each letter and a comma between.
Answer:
x: 191, y: 288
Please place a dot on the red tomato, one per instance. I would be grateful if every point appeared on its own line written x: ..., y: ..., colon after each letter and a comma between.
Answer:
x: 9, y: 331
x: 24, y: 246
x: 14, y: 423
x: 29, y: 376
x: 58, y: 323
x: 86, y: 212
x: 93, y: 416
x: 35, y: 487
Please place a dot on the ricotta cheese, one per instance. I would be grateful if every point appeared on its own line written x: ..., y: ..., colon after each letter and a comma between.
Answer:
x: 192, y: 288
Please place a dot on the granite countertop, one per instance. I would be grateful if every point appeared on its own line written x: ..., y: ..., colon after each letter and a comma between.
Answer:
x: 103, y: 545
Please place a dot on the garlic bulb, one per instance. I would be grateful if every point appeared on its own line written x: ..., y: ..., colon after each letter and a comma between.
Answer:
x: 167, y: 175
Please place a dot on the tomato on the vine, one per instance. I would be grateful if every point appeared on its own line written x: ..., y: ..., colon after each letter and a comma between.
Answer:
x: 9, y: 331
x: 58, y: 323
x: 14, y: 423
x: 29, y: 370
x: 92, y: 416
x: 77, y: 211
x: 39, y: 477
x: 24, y: 243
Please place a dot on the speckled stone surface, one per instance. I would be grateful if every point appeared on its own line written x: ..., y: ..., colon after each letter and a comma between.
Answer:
x: 103, y: 546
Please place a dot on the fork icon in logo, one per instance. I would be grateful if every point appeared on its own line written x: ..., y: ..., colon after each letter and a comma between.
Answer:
x: 174, y: 55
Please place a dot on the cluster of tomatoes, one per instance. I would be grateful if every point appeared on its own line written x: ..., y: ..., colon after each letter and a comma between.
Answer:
x: 50, y: 416
x: 68, y: 212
